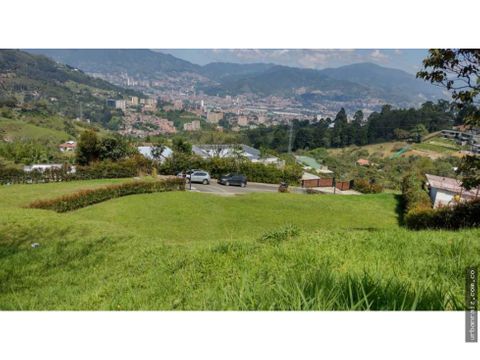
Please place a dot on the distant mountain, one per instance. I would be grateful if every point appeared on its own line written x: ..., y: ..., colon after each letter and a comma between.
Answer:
x: 358, y: 83
x: 35, y: 78
x: 139, y: 62
x: 220, y: 70
x: 285, y: 81
x: 395, y: 82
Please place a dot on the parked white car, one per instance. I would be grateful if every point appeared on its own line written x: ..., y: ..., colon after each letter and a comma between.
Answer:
x: 199, y: 176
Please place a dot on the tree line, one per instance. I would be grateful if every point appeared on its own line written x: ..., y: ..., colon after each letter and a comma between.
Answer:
x: 386, y: 125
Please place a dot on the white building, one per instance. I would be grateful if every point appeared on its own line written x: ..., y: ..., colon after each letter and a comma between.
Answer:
x: 228, y: 150
x: 444, y: 191
x: 147, y: 152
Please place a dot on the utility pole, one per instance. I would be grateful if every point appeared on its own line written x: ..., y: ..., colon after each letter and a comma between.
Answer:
x: 290, y: 137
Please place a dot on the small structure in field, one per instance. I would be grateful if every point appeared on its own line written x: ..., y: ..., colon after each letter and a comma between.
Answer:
x: 68, y: 146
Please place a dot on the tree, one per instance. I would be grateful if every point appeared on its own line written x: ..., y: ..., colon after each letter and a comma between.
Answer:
x: 113, y: 147
x: 418, y: 131
x: 458, y: 70
x: 157, y: 151
x: 88, y: 148
x: 340, y: 136
x: 182, y: 146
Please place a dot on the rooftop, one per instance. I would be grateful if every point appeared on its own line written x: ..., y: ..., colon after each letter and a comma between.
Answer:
x: 450, y: 184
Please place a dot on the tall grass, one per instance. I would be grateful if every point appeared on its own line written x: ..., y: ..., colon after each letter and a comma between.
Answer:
x: 190, y: 251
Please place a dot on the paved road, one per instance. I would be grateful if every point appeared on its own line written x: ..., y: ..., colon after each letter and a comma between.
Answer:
x: 251, y: 187
x: 215, y: 188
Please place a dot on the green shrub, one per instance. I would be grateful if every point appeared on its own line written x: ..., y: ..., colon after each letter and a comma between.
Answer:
x: 255, y: 172
x: 97, y: 170
x: 85, y: 198
x: 462, y: 215
x: 414, y: 194
x: 366, y: 187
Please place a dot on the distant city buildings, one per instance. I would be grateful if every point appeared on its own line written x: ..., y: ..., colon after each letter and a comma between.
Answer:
x: 116, y: 104
x: 192, y: 126
x: 214, y: 117
x: 178, y: 105
x: 134, y: 101
x: 242, y: 120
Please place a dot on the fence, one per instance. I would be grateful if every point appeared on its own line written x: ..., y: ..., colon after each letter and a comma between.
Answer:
x: 328, y: 182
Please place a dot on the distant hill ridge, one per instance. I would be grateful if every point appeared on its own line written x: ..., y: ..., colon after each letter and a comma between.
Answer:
x: 349, y: 82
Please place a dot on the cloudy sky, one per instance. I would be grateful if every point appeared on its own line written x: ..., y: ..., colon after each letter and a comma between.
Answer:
x: 405, y: 59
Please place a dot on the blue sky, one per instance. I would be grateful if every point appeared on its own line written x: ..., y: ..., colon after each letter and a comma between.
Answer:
x: 409, y: 60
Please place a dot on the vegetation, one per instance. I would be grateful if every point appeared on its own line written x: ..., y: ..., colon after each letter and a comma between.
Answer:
x: 91, y: 148
x: 460, y: 215
x: 414, y: 194
x: 420, y: 215
x: 36, y: 82
x: 367, y: 187
x: 387, y: 125
x: 126, y: 168
x: 255, y: 172
x: 458, y: 70
x: 385, y: 169
x: 180, y: 250
x: 84, y: 198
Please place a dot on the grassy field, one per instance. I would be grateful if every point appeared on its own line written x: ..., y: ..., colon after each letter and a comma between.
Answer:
x: 381, y: 150
x: 197, y: 251
x: 434, y: 147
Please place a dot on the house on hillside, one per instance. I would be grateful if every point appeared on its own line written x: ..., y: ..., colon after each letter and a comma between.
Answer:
x: 310, y: 164
x: 68, y: 146
x: 446, y: 191
x: 147, y: 152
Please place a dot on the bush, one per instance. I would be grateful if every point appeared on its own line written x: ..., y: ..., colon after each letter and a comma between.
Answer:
x: 414, y: 194
x: 85, y: 198
x: 255, y: 172
x: 98, y: 170
x: 462, y: 215
x: 367, y: 187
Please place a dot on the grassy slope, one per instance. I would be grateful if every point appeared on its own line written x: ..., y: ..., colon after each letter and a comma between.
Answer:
x: 433, y: 147
x: 17, y: 129
x: 200, y: 251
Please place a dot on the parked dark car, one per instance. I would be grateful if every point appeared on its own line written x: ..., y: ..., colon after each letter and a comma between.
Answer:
x: 233, y: 179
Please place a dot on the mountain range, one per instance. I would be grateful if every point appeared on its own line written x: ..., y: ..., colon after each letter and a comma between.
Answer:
x: 357, y: 82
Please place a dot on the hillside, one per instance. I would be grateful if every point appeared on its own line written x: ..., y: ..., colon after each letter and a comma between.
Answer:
x: 132, y: 61
x: 283, y: 80
x: 396, y: 83
x: 37, y: 81
x: 151, y: 252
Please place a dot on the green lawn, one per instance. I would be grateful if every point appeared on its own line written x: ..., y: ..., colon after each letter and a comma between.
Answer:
x: 183, y: 250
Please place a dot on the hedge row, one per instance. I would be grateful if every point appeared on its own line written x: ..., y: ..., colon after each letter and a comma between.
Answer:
x: 420, y: 215
x: 367, y: 187
x: 100, y: 170
x: 255, y: 172
x: 462, y: 215
x: 88, y: 197
x: 414, y: 194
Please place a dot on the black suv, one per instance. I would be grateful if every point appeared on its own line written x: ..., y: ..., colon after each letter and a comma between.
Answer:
x: 233, y: 179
